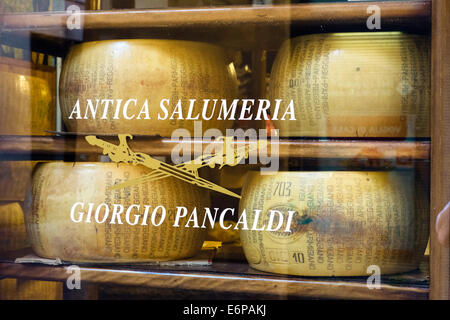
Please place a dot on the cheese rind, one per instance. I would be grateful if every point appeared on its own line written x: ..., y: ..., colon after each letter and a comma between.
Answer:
x: 141, y: 69
x: 354, y: 85
x: 58, y: 186
x: 344, y: 222
x: 15, y: 179
x: 13, y: 235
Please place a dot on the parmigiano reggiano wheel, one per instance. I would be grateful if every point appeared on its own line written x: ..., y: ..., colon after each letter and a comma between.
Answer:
x: 142, y: 69
x: 354, y: 85
x: 13, y: 235
x: 58, y: 186
x: 27, y: 98
x: 343, y: 223
x: 20, y: 289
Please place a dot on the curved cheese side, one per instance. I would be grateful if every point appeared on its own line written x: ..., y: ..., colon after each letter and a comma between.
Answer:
x: 343, y: 222
x: 354, y: 85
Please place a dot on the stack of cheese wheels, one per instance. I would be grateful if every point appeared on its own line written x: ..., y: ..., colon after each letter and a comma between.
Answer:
x: 13, y: 235
x: 27, y: 98
x: 342, y: 222
x: 354, y: 85
x: 57, y: 228
x: 145, y: 69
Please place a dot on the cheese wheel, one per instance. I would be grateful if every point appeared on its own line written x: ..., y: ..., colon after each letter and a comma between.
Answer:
x: 13, y: 235
x: 354, y: 85
x: 55, y: 232
x: 342, y: 222
x: 144, y: 69
x: 20, y: 289
x: 27, y: 98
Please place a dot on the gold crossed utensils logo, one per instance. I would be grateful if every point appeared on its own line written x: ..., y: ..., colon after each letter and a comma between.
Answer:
x: 186, y: 171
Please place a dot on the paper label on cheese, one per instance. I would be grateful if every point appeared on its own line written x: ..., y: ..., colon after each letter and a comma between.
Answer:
x: 355, y: 85
x: 343, y: 222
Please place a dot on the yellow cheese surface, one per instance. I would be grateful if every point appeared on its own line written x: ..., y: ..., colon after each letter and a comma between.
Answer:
x: 145, y: 69
x: 344, y: 222
x: 27, y: 98
x: 354, y: 85
x: 20, y: 289
x: 58, y: 186
x: 13, y: 235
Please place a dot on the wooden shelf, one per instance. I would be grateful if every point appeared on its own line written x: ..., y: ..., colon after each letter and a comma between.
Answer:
x: 236, y: 26
x: 335, y: 13
x: 228, y: 278
x: 51, y: 147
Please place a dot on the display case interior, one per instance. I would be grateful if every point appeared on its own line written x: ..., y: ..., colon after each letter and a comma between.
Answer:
x: 368, y: 135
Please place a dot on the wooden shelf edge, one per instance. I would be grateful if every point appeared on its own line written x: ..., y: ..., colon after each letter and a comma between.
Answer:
x: 237, y: 27
x: 250, y: 285
x: 329, y: 13
x: 59, y: 146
